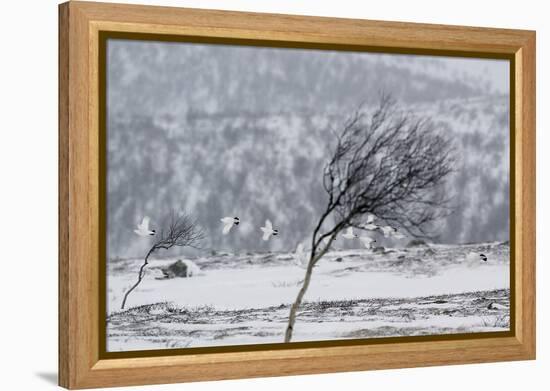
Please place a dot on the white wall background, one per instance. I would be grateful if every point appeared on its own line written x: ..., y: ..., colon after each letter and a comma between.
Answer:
x: 28, y: 167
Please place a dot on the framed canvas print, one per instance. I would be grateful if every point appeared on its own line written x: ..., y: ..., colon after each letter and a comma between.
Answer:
x: 258, y: 195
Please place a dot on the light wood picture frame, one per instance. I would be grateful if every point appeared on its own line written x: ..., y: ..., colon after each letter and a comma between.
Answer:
x: 83, y: 30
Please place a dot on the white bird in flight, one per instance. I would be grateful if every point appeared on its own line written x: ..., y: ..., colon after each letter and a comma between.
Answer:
x: 474, y: 258
x: 369, y: 224
x: 143, y: 228
x: 301, y: 257
x: 228, y: 223
x: 268, y: 230
x: 367, y: 241
x: 349, y: 234
x: 388, y: 231
x: 371, y: 227
x: 391, y: 232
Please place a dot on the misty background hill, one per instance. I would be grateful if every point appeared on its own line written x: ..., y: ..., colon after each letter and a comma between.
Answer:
x: 239, y: 131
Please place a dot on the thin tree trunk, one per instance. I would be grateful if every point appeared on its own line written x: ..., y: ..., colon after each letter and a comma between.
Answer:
x: 140, y: 276
x: 301, y: 293
x: 297, y: 303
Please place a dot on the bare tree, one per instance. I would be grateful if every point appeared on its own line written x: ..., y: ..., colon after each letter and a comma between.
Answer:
x: 390, y: 164
x: 179, y: 231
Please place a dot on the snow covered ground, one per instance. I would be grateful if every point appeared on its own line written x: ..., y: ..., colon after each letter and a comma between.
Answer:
x: 245, y: 298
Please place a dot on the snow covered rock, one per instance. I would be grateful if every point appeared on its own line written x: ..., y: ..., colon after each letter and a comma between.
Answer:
x: 417, y: 243
x: 181, y: 268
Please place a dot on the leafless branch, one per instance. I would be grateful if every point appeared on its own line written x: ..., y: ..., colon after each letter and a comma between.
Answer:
x: 390, y: 164
x: 180, y: 230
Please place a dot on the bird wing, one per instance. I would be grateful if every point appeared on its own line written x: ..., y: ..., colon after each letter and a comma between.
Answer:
x: 144, y: 224
x: 268, y: 225
x: 227, y: 220
x: 266, y: 235
x: 227, y: 228
x: 472, y: 259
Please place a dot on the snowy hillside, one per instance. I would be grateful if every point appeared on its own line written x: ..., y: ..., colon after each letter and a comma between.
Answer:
x: 223, y: 130
x: 270, y: 165
x: 148, y: 78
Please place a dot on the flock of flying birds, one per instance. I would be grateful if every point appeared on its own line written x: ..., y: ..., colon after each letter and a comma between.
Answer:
x: 301, y: 254
x: 268, y: 230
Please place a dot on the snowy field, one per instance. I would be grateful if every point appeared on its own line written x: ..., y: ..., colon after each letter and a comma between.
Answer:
x: 245, y: 298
